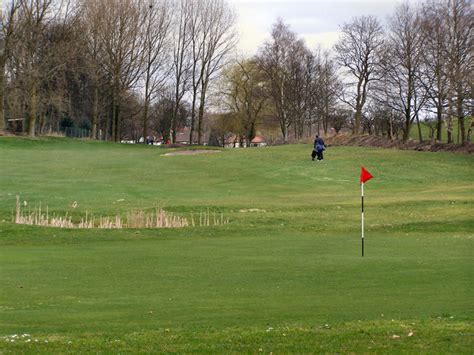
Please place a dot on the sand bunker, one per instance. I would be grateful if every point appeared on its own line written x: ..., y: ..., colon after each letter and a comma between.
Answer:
x: 192, y: 152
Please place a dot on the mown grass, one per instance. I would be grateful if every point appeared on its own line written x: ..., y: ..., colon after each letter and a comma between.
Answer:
x: 288, y: 263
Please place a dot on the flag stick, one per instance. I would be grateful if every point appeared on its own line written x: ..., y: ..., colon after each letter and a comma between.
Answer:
x: 364, y: 176
x: 362, y: 200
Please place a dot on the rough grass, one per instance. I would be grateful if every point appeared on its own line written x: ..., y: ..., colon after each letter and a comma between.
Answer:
x: 425, y: 130
x: 287, y: 263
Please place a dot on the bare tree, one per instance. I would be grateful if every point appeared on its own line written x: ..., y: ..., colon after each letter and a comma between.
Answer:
x: 40, y: 56
x: 300, y: 85
x: 274, y: 57
x: 120, y: 41
x: 91, y: 16
x: 459, y: 22
x: 329, y: 87
x: 8, y: 19
x: 181, y: 67
x: 434, y: 64
x: 402, y: 66
x: 29, y: 57
x: 218, y: 38
x: 156, y: 22
x: 197, y: 34
x: 357, y: 53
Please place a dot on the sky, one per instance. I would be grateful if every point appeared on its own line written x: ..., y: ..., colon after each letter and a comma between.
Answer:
x: 317, y: 21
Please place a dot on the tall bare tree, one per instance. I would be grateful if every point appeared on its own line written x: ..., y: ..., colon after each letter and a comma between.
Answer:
x: 119, y: 36
x: 8, y: 20
x: 181, y: 63
x: 403, y: 65
x: 328, y: 86
x: 197, y: 33
x: 91, y: 26
x: 434, y: 65
x: 274, y: 57
x: 33, y: 17
x: 157, y: 21
x: 301, y: 70
x: 357, y: 52
x: 459, y: 22
x: 218, y: 38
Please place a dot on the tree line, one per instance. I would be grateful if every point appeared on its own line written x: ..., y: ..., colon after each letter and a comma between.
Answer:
x: 130, y: 68
x: 377, y: 79
x: 112, y: 66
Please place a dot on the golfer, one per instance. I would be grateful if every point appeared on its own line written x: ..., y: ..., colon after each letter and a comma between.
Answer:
x: 318, y: 149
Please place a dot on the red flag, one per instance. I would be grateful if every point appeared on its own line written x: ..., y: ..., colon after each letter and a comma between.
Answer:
x: 364, y: 175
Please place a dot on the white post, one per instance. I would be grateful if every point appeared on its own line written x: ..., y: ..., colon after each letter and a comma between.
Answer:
x: 362, y: 201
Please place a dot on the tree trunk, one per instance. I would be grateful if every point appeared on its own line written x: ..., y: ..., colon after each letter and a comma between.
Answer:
x: 358, y: 113
x: 406, y: 130
x: 357, y: 120
x: 450, y: 122
x: 201, y: 117
x: 201, y: 110
x: 193, y: 118
x: 2, y: 93
x: 390, y: 126
x: 469, y: 133
x: 420, y: 137
x: 118, y: 123
x: 174, y: 126
x: 283, y: 126
x: 439, y: 126
x: 42, y: 124
x: 95, y: 113
x: 145, y: 119
x: 33, y: 111
x: 112, y: 119
x: 460, y: 112
x: 461, y: 126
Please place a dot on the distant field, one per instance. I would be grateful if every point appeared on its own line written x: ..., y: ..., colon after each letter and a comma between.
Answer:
x: 285, y: 275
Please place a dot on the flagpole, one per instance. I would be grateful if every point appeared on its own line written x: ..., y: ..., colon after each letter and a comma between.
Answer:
x: 364, y: 176
x: 362, y: 200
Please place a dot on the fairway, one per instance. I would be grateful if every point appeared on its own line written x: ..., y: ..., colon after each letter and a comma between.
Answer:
x: 284, y: 275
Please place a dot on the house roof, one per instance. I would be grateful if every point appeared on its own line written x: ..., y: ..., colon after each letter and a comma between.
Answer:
x: 182, y: 135
x: 258, y: 139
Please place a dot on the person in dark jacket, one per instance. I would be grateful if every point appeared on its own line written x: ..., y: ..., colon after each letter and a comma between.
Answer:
x: 319, y: 147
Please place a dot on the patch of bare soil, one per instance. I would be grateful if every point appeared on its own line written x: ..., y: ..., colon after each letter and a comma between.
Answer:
x: 383, y: 142
x: 192, y: 152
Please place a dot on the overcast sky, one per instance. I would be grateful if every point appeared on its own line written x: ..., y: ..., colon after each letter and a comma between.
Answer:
x: 317, y: 21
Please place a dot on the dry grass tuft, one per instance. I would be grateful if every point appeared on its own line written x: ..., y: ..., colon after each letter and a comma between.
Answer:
x: 158, y: 218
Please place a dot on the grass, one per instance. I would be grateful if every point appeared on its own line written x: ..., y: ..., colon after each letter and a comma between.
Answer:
x: 285, y: 275
x: 425, y: 131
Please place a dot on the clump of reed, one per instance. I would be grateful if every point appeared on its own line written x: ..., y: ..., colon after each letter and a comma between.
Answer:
x: 155, y: 219
x: 39, y: 217
x: 208, y: 218
x: 158, y: 218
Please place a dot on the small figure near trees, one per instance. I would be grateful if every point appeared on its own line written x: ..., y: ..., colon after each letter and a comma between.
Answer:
x: 318, y: 148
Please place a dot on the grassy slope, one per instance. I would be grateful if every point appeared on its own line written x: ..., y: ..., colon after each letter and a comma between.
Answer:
x: 295, y: 267
x: 425, y: 131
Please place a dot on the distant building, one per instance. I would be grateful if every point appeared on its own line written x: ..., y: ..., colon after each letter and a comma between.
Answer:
x: 182, y: 136
x: 233, y: 141
x: 258, y: 141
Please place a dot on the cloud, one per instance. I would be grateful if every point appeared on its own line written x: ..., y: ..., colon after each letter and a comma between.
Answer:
x: 318, y: 21
x: 323, y: 39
